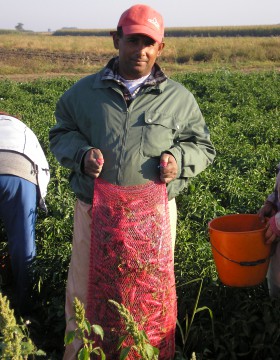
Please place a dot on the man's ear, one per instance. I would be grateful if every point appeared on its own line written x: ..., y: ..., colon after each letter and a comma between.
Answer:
x: 115, y: 39
x: 160, y: 48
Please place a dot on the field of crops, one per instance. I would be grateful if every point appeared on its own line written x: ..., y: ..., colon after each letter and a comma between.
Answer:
x: 217, y: 322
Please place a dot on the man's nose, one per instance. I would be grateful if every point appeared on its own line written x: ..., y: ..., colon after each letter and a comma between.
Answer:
x: 141, y: 46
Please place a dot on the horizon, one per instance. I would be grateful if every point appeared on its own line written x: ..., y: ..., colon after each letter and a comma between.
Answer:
x: 166, y: 28
x: 55, y: 15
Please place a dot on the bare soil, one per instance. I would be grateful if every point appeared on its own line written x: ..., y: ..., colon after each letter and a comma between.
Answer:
x: 63, y: 60
x: 71, y: 64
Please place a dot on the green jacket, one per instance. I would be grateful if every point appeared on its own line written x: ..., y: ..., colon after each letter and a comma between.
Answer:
x: 162, y: 118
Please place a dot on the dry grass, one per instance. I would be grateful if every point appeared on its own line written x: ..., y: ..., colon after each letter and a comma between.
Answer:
x: 223, y: 49
x: 95, y: 44
x: 42, y: 53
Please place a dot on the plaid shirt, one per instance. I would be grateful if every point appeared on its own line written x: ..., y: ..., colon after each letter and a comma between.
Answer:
x: 112, y: 73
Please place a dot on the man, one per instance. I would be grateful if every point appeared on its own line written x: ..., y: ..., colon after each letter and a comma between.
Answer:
x: 24, y: 176
x: 128, y: 124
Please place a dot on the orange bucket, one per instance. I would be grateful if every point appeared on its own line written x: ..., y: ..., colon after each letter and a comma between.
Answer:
x: 238, y: 249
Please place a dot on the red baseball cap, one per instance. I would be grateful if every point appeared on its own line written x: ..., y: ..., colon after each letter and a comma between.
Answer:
x: 142, y: 19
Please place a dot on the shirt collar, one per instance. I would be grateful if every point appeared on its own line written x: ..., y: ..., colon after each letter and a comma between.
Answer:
x: 111, y: 72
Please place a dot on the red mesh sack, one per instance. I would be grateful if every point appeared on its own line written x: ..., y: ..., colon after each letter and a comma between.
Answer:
x: 131, y: 262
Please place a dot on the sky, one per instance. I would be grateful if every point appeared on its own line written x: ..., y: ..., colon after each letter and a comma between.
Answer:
x: 51, y: 15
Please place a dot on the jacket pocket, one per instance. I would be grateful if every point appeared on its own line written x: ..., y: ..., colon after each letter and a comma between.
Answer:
x: 158, y: 134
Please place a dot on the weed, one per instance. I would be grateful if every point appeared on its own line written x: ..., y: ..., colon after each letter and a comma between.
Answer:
x: 83, y: 332
x: 141, y: 344
x: 15, y: 343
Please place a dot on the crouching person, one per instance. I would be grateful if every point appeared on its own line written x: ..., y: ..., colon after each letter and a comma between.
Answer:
x: 24, y: 176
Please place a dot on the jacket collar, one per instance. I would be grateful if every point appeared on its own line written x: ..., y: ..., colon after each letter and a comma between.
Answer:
x: 108, y: 77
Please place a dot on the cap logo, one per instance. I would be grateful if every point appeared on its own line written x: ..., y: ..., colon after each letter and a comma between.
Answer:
x: 154, y: 22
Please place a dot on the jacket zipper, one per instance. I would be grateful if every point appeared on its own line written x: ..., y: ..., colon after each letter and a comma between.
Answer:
x: 123, y: 146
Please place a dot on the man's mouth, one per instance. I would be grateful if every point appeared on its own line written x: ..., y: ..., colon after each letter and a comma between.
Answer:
x: 139, y: 61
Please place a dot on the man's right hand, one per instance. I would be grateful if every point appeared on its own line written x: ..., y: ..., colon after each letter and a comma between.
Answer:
x: 93, y: 163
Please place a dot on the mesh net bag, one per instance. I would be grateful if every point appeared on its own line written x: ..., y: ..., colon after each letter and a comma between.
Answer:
x: 131, y: 262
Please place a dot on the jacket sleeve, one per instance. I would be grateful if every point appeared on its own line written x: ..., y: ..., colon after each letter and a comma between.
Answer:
x: 66, y: 141
x: 193, y: 149
x: 275, y: 195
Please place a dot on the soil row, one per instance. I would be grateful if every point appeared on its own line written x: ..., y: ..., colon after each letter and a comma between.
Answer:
x: 66, y: 57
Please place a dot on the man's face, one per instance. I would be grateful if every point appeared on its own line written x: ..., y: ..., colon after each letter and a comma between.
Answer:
x: 137, y: 55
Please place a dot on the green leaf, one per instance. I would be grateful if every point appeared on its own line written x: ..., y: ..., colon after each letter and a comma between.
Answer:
x: 156, y: 350
x: 142, y: 333
x: 150, y: 350
x: 124, y: 353
x: 69, y: 337
x: 181, y: 330
x: 99, y: 352
x: 97, y: 329
x: 83, y: 354
x: 40, y: 353
x: 121, y: 340
x: 87, y: 326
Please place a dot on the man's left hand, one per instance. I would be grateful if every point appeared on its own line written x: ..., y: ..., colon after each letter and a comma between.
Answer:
x: 168, y: 168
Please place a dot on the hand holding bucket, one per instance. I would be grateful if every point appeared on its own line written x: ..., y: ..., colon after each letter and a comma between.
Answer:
x: 239, y: 249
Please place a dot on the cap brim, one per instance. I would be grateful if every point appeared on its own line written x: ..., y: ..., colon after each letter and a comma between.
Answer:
x: 137, y: 29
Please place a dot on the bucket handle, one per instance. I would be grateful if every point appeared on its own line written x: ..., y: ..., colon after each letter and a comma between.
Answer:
x: 242, y: 263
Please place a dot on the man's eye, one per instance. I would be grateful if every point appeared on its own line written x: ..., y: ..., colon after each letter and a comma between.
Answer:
x: 149, y: 42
